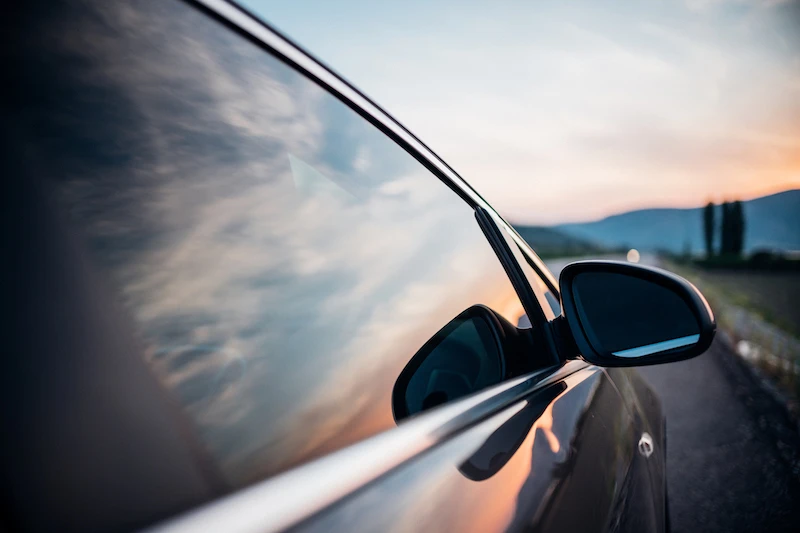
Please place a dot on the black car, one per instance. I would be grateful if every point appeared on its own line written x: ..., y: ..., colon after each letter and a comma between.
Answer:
x: 241, y: 297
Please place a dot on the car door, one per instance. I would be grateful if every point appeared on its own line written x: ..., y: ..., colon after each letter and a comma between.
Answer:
x: 251, y: 252
x: 649, y: 422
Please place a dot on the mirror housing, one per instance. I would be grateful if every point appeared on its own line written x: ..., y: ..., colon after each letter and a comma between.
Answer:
x: 622, y: 314
x: 475, y: 350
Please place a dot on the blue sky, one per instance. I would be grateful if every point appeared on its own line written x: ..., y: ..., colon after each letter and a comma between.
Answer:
x: 561, y: 111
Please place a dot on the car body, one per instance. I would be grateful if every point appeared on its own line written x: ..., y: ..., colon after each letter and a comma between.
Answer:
x: 222, y: 257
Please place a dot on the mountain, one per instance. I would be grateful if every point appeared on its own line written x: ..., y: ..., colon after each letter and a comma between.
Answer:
x: 549, y: 242
x: 770, y: 222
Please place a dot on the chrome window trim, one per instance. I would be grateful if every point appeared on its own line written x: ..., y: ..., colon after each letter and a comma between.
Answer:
x: 285, y: 500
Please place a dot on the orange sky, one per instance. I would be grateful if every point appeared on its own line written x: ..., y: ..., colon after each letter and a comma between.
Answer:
x: 563, y: 111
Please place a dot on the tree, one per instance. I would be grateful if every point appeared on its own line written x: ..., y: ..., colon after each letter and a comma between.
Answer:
x: 732, y: 229
x: 725, y: 230
x: 708, y: 227
x: 737, y: 228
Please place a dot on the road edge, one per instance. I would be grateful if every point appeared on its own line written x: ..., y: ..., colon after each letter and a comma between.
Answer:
x: 764, y: 401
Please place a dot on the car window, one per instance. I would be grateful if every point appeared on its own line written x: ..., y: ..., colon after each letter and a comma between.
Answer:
x: 280, y: 257
x: 545, y: 288
x: 548, y: 302
x: 547, y: 298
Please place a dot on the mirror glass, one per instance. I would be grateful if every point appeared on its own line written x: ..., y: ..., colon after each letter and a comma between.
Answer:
x: 626, y: 316
x: 462, y: 358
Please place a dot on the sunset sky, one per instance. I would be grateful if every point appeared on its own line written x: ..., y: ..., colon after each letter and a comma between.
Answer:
x: 566, y: 111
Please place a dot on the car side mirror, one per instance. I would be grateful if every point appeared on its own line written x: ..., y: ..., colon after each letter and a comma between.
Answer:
x: 475, y: 350
x: 621, y: 314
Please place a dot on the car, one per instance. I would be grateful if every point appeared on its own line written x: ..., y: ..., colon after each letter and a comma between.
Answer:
x: 240, y: 296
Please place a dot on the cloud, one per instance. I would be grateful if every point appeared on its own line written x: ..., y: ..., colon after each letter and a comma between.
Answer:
x: 705, y: 5
x: 520, y: 98
x: 648, y: 144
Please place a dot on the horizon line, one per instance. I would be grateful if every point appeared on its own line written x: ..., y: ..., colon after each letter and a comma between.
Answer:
x: 744, y: 198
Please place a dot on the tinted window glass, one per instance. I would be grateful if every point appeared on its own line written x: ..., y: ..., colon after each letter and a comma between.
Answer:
x: 547, y: 301
x: 550, y: 303
x: 280, y: 258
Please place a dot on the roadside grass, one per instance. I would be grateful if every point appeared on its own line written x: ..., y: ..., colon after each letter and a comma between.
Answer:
x: 764, y: 339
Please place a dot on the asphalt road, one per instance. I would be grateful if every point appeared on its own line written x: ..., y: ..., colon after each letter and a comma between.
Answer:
x: 731, y: 450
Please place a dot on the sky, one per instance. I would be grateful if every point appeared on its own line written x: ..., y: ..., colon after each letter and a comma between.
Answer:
x: 571, y: 111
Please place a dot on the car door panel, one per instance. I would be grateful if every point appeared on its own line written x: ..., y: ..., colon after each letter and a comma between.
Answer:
x: 645, y: 407
x: 565, y: 453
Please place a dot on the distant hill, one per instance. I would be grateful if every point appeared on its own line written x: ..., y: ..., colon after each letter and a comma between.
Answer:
x: 771, y: 222
x: 549, y: 242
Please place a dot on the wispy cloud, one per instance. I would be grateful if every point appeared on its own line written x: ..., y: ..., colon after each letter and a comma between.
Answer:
x: 561, y: 111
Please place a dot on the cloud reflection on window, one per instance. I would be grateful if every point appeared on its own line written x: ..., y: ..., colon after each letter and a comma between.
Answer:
x: 283, y: 259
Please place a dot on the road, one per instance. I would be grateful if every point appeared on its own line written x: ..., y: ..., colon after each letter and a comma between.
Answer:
x: 729, y: 448
x: 732, y: 453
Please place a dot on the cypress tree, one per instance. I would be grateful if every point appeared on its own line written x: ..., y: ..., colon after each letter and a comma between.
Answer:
x: 737, y: 229
x: 725, y: 230
x: 708, y: 227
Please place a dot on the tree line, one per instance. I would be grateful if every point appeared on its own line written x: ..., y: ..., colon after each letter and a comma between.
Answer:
x: 731, y: 229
